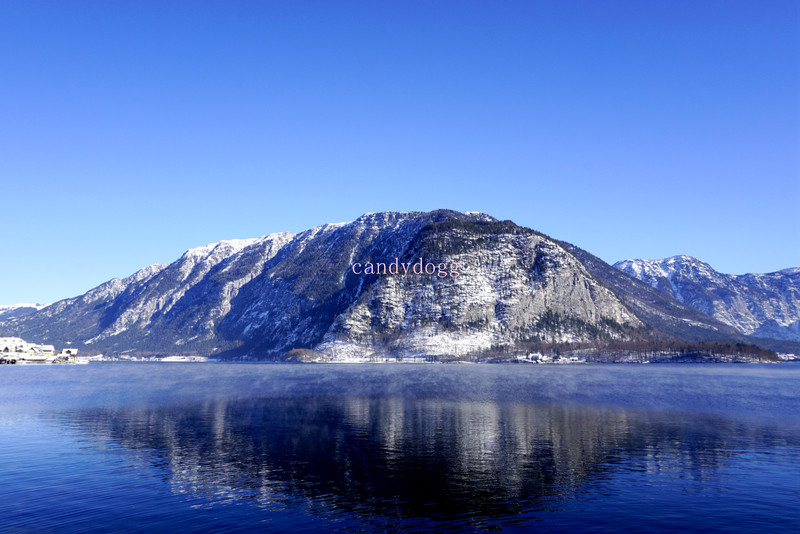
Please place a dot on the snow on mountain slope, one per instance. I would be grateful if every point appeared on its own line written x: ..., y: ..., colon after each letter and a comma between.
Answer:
x: 508, y: 282
x: 762, y: 305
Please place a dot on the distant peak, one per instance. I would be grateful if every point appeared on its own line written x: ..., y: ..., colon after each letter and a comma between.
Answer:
x: 234, y: 244
x: 6, y: 307
x: 683, y: 258
x: 672, y: 260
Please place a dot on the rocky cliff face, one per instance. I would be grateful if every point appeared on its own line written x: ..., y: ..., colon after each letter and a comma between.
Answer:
x: 761, y: 305
x: 513, y: 285
x: 261, y: 297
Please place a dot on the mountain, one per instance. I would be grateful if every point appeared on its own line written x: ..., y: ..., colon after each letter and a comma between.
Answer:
x: 435, y: 284
x: 759, y: 305
x: 494, y: 284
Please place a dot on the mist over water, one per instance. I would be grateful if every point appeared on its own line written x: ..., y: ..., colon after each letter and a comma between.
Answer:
x: 462, y: 448
x: 755, y: 390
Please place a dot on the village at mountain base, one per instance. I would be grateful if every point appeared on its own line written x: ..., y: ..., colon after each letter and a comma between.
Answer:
x: 14, y: 350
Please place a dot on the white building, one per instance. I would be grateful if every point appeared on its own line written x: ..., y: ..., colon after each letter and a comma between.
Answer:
x: 13, y: 344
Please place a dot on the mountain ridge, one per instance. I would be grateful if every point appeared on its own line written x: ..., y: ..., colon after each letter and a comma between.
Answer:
x: 759, y: 305
x: 258, y: 298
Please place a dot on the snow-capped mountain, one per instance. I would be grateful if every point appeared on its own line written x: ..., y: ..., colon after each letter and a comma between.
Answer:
x: 492, y: 285
x: 8, y: 311
x: 761, y: 305
x: 264, y: 296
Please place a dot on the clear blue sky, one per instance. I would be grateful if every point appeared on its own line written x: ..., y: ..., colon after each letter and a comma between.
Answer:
x: 132, y: 131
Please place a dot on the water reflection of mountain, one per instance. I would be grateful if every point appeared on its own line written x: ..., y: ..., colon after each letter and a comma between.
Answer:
x: 409, y: 458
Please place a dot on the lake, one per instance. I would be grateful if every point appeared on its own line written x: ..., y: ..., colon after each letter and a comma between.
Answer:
x: 154, y: 447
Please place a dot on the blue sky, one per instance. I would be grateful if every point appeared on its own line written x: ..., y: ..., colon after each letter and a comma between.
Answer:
x: 132, y: 131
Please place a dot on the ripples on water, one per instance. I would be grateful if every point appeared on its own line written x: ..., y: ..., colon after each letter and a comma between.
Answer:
x: 225, y: 448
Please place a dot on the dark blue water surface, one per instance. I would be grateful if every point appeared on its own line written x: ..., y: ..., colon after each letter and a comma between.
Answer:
x: 397, y: 448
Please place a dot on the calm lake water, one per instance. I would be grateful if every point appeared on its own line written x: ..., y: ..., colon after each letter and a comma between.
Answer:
x: 398, y: 448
